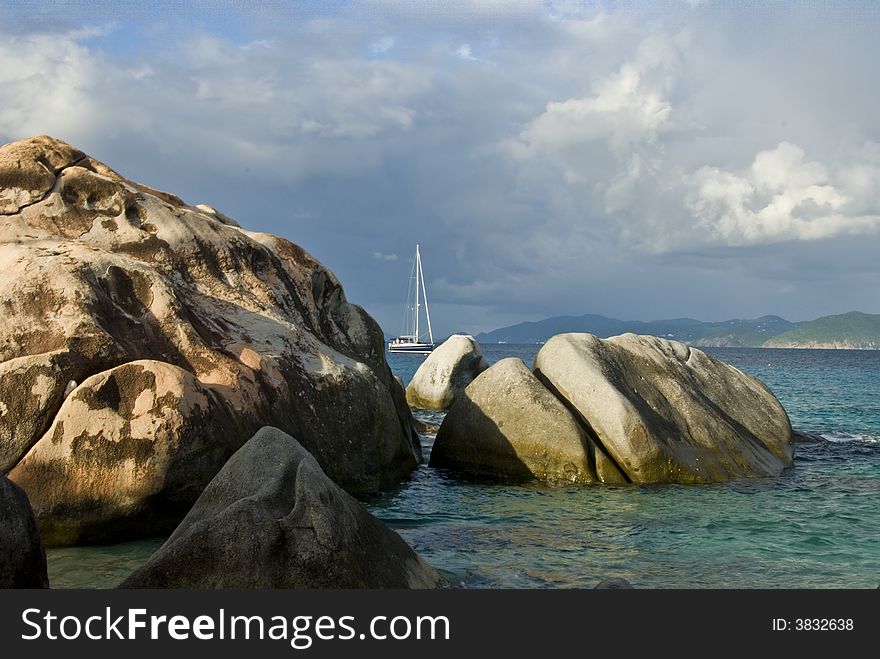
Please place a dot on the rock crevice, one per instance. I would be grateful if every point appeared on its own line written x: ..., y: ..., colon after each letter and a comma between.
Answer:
x: 593, y: 443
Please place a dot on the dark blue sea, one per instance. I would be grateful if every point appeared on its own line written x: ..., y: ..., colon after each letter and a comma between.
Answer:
x: 817, y: 525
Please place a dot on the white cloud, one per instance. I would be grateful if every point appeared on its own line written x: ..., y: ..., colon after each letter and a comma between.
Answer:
x: 623, y: 111
x: 285, y: 108
x: 597, y: 159
x: 464, y: 52
x: 49, y: 84
x: 379, y: 256
x: 382, y: 45
x: 781, y: 197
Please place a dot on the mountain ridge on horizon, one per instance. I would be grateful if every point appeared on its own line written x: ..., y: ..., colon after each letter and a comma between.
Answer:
x: 850, y: 330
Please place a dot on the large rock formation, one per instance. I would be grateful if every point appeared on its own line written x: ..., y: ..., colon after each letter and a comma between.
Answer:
x: 664, y: 412
x: 271, y: 519
x: 629, y: 409
x: 445, y: 373
x: 22, y: 557
x: 142, y: 341
x: 507, y: 424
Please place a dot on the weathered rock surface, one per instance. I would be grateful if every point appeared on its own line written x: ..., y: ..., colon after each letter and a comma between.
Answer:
x: 445, y: 373
x: 140, y: 440
x: 664, y: 412
x: 99, y: 272
x: 271, y: 519
x: 22, y: 557
x: 507, y: 424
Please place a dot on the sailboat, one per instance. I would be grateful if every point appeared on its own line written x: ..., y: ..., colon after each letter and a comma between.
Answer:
x: 410, y: 340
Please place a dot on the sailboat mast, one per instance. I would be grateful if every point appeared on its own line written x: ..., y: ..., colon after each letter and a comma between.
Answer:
x: 425, y: 297
x: 418, y: 268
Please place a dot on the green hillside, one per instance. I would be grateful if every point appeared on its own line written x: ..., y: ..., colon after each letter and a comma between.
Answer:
x: 728, y: 333
x: 849, y: 330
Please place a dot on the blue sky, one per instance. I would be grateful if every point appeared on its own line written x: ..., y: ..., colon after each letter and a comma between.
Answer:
x: 641, y: 160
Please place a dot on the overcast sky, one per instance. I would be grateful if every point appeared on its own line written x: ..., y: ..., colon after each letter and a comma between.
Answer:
x: 638, y: 160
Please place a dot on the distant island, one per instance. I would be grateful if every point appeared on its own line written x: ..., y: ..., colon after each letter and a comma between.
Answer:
x: 853, y: 330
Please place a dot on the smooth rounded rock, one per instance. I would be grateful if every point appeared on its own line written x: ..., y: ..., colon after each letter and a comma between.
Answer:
x: 445, y: 373
x: 272, y: 519
x: 507, y: 424
x: 664, y: 412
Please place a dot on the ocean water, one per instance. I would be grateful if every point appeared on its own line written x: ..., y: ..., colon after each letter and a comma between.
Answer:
x: 817, y: 525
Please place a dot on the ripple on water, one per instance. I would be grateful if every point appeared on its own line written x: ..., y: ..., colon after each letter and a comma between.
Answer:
x: 97, y: 566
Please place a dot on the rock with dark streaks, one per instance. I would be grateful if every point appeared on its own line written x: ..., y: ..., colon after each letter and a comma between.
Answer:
x: 667, y: 413
x: 105, y: 281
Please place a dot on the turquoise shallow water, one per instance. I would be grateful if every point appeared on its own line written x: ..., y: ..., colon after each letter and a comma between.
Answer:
x: 815, y: 526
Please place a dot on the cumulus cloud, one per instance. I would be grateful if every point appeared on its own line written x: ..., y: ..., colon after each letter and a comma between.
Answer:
x: 379, y: 256
x: 781, y: 197
x: 211, y: 100
x: 49, y: 83
x: 623, y: 111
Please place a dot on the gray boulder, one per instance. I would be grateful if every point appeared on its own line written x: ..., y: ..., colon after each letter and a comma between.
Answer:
x: 664, y: 412
x: 22, y: 557
x: 507, y: 424
x: 445, y: 373
x: 271, y: 518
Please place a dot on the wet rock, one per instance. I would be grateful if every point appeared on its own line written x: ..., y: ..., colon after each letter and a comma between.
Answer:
x: 614, y: 583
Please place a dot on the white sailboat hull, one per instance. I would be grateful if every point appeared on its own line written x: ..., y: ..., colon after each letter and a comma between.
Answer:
x: 412, y: 348
x: 410, y: 340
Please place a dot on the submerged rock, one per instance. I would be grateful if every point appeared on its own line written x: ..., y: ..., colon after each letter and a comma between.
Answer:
x: 22, y: 557
x: 272, y: 519
x: 664, y: 412
x: 806, y: 437
x: 445, y: 373
x: 507, y: 424
x: 99, y: 272
x: 425, y: 428
x: 614, y: 583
